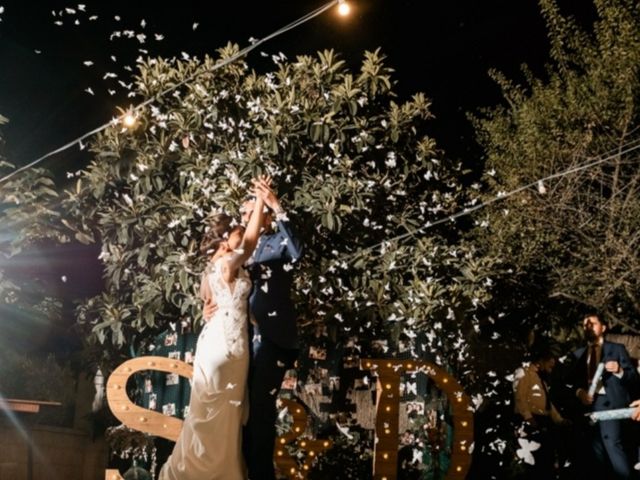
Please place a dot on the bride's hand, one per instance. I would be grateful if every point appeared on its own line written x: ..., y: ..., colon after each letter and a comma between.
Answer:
x: 209, y: 310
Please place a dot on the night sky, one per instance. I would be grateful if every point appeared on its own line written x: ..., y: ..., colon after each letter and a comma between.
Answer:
x: 441, y: 48
x: 444, y: 49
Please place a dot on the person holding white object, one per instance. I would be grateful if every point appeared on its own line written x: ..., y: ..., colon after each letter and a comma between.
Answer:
x: 619, y: 378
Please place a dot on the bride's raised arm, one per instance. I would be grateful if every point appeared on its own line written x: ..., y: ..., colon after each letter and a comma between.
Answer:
x: 249, y: 241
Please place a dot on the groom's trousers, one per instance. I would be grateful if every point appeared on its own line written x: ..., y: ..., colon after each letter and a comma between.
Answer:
x: 268, y: 366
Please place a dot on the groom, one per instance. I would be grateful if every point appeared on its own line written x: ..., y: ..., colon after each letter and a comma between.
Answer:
x: 274, y: 348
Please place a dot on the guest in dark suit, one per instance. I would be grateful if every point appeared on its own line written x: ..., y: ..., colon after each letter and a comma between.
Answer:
x: 619, y: 378
x: 274, y: 344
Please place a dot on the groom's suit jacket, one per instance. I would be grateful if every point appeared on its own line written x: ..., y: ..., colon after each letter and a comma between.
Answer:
x: 617, y: 390
x: 271, y: 272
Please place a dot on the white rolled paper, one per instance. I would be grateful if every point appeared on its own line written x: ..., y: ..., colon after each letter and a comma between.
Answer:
x: 596, y: 379
x: 617, y: 414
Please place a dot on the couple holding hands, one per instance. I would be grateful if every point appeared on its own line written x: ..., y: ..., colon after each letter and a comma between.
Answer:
x: 239, y: 364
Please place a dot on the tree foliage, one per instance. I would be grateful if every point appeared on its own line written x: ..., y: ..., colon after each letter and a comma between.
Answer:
x: 355, y: 170
x: 29, y: 215
x: 573, y: 237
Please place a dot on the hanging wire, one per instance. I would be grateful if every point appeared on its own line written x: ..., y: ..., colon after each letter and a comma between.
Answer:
x: 217, y: 66
x: 620, y: 150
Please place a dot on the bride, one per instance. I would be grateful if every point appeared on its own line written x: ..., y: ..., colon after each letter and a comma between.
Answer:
x: 209, y: 446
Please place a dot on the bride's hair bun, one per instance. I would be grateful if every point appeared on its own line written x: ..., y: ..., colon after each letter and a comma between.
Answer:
x: 220, y: 226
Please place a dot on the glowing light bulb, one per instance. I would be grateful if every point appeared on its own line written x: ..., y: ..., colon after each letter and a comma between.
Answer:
x: 343, y: 8
x: 129, y: 121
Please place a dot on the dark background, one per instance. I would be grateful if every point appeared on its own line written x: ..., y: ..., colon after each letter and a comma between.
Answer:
x: 443, y: 49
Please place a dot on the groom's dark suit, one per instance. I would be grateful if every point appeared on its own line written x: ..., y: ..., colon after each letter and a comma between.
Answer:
x: 274, y: 346
x: 606, y: 438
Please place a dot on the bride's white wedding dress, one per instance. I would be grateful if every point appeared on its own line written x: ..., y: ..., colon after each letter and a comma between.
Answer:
x: 209, y: 446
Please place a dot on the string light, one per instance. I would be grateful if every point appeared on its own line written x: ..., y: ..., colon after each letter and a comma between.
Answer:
x: 130, y: 119
x: 604, y: 157
x: 343, y: 8
x: 223, y: 63
x: 541, y: 188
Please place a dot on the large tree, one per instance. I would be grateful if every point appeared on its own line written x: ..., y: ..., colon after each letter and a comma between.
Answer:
x: 573, y: 238
x: 353, y: 165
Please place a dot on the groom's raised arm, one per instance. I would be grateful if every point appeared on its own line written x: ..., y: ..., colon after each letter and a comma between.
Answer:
x: 285, y: 244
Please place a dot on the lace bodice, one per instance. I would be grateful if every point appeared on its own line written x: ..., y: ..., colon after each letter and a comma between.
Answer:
x: 232, y: 305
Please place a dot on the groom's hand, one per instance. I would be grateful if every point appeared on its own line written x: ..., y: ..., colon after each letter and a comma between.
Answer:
x: 262, y: 188
x: 612, y: 366
x: 210, y: 307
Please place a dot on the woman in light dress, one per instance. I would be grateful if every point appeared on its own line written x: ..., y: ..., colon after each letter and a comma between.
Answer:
x: 210, y: 443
